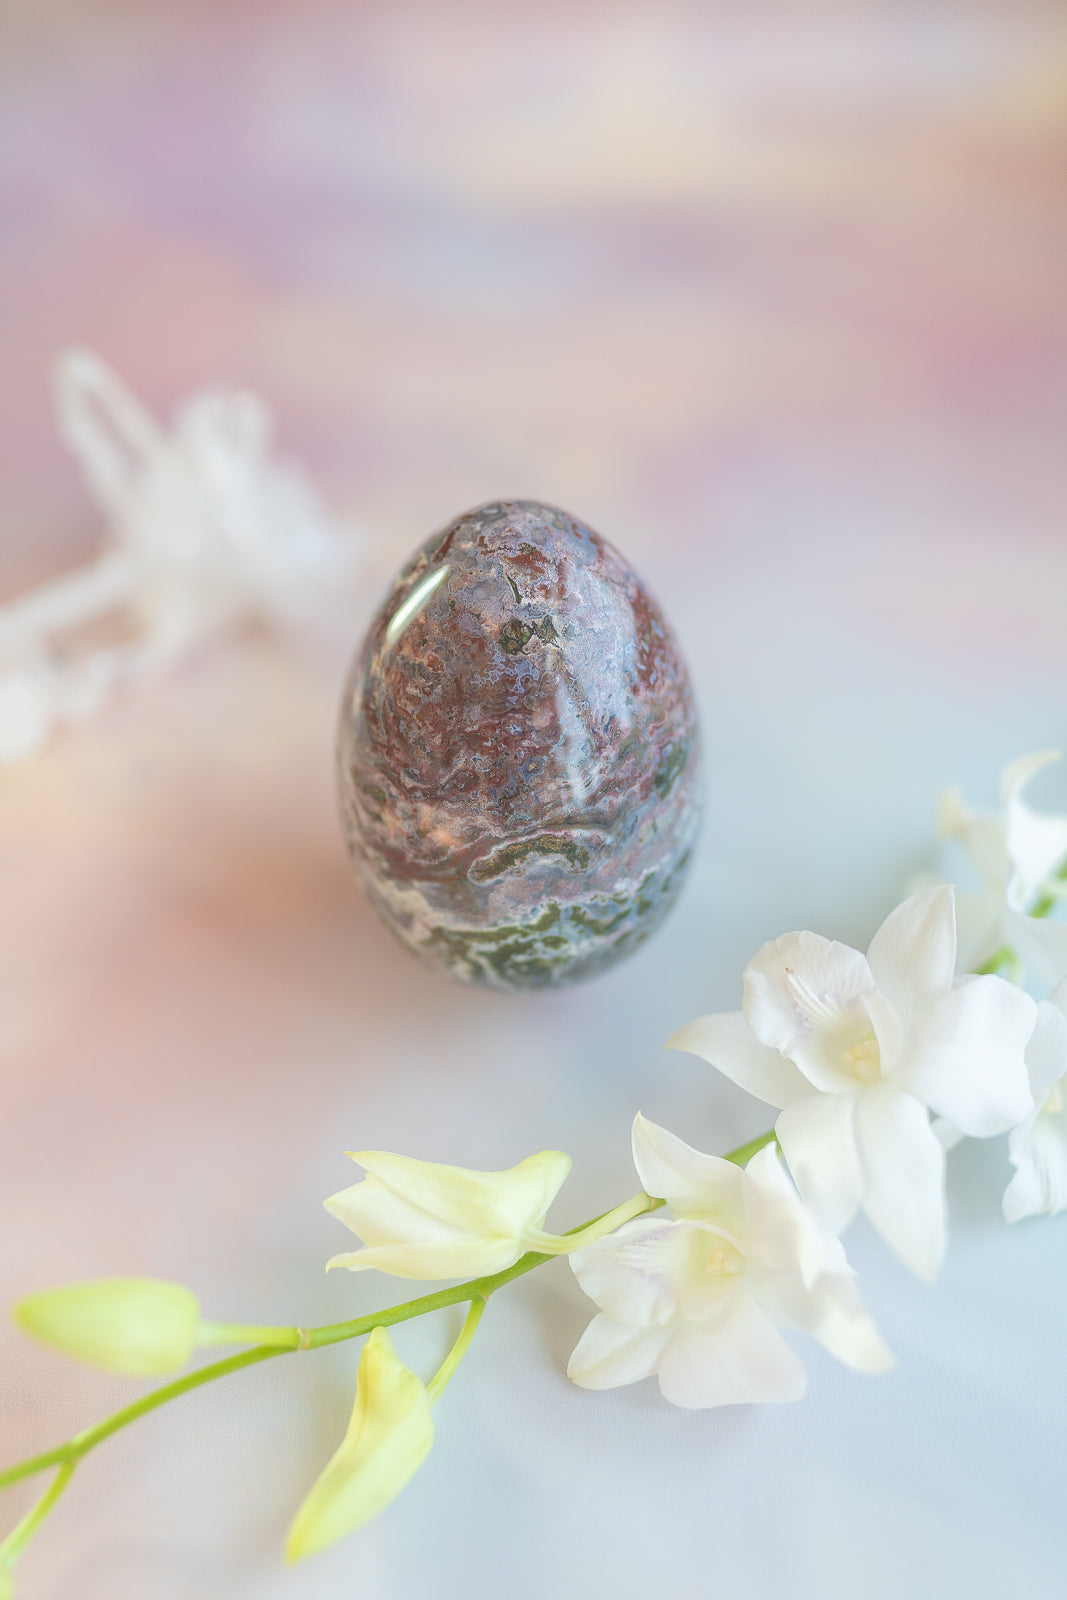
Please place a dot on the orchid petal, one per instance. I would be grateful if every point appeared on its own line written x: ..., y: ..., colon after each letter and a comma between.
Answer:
x: 693, y: 1184
x: 466, y: 1258
x: 818, y: 1140
x: 818, y: 1295
x: 380, y: 1216
x: 904, y: 1177
x: 745, y: 1360
x: 388, y: 1438
x: 635, y: 1274
x: 654, y: 1271
x: 1015, y: 775
x: 610, y: 1353
x: 982, y: 836
x: 888, y: 1031
x: 803, y: 997
x: 1058, y: 997
x: 728, y: 1043
x: 1036, y: 841
x: 968, y: 1063
x: 781, y: 1234
x: 1046, y: 1053
x: 419, y: 1219
x: 948, y: 1135
x: 833, y: 1313
x: 913, y: 954
x: 1039, y: 1153
x: 462, y: 1197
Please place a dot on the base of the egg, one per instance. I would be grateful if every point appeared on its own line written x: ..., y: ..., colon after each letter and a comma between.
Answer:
x: 553, y: 944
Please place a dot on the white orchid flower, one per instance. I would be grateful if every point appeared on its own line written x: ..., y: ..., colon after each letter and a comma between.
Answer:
x: 1017, y: 853
x: 1038, y: 1146
x: 421, y: 1220
x: 700, y: 1299
x: 854, y: 1050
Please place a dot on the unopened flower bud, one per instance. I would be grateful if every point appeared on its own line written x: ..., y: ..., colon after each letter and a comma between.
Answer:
x: 137, y: 1326
x: 418, y: 1219
x: 388, y: 1438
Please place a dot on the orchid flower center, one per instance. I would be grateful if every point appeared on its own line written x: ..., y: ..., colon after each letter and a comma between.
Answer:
x: 721, y: 1261
x: 725, y: 1256
x: 1054, y: 1100
x: 864, y: 1059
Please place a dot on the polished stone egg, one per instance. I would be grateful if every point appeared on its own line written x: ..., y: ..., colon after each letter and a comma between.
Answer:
x: 518, y: 752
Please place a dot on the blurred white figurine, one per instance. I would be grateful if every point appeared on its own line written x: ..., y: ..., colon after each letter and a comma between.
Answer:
x: 204, y: 530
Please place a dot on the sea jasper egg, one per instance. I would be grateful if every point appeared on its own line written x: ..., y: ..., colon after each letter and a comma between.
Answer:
x: 518, y: 752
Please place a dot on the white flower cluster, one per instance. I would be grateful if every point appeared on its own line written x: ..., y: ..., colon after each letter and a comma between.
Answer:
x: 868, y: 1059
x: 855, y: 1052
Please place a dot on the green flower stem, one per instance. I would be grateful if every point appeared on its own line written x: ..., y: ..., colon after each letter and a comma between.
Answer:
x: 437, y: 1384
x: 744, y: 1152
x: 1044, y: 905
x: 561, y: 1244
x: 23, y: 1531
x: 276, y: 1341
x: 247, y: 1333
x: 1004, y: 957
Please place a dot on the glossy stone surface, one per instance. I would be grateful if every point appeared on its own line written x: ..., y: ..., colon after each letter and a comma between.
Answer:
x: 518, y: 752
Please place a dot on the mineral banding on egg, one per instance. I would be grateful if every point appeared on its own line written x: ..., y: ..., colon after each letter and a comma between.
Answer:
x: 518, y: 752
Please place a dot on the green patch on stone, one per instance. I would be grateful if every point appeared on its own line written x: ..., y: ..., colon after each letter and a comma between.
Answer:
x: 529, y: 963
x: 514, y: 855
x: 460, y: 938
x: 670, y: 769
x: 562, y: 943
x: 515, y: 635
x: 531, y: 955
x: 587, y: 920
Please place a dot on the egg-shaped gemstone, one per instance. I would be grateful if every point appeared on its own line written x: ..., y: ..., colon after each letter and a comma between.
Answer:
x: 518, y: 752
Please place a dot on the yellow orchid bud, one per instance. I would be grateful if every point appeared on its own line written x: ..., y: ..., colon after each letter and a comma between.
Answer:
x: 388, y: 1439
x: 137, y: 1326
x: 421, y: 1220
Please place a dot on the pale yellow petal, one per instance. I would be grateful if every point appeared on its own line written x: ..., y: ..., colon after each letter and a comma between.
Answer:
x: 388, y: 1438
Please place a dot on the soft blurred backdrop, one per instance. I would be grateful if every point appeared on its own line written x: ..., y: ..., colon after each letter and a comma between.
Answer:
x: 772, y: 295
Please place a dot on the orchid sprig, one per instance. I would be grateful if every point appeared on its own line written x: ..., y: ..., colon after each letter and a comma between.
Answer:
x: 868, y: 1058
x: 419, y: 1219
x: 137, y: 1325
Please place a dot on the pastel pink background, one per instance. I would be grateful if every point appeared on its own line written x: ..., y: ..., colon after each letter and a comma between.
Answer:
x: 774, y: 297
